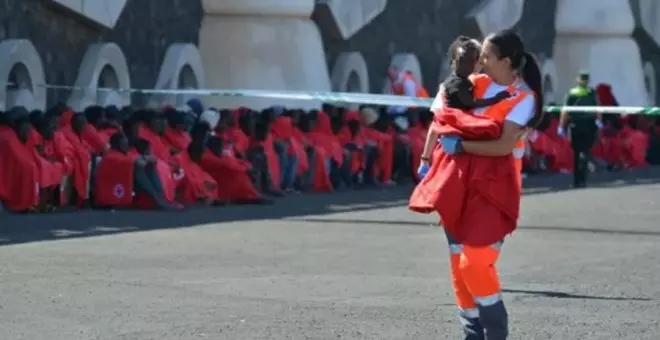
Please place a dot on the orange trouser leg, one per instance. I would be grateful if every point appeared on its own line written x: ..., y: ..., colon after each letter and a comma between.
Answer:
x: 477, y: 288
x: 477, y: 267
x: 464, y: 299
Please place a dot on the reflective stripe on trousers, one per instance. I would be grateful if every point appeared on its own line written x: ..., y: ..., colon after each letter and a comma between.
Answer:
x: 519, y: 153
x: 474, y: 275
x: 477, y: 289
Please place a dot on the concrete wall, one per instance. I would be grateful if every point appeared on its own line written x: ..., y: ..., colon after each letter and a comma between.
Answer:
x: 144, y: 31
x: 261, y: 44
x: 425, y: 29
x: 317, y: 45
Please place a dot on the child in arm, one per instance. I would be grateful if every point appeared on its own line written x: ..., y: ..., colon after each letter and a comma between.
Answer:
x: 459, y: 90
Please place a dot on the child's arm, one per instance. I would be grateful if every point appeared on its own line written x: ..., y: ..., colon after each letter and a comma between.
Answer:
x: 470, y: 102
x: 429, y: 144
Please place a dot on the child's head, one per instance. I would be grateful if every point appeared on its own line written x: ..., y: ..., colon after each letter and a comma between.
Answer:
x: 119, y: 142
x: 464, y: 55
x: 143, y: 147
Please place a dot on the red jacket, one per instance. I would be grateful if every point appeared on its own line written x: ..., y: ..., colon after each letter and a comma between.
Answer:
x: 477, y: 197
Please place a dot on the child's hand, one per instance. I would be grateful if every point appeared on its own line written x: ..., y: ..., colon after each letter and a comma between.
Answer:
x: 423, y: 169
x: 503, y: 95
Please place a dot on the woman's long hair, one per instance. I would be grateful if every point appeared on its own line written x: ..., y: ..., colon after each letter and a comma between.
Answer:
x: 509, y: 45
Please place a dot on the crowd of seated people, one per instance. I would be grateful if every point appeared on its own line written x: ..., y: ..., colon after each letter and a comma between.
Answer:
x: 171, y: 158
x: 624, y: 142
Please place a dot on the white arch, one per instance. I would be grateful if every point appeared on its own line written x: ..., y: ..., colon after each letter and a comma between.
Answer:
x: 285, y: 8
x: 98, y: 57
x: 106, y: 12
x: 179, y: 58
x: 649, y: 11
x: 108, y: 98
x: 600, y: 18
x: 347, y: 64
x: 406, y: 62
x: 21, y: 51
x: 496, y: 15
x: 650, y: 75
x: 349, y: 16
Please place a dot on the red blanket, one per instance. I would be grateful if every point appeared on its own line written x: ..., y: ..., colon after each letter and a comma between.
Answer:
x: 234, y: 183
x: 113, y: 185
x: 477, y: 197
x: 19, y: 174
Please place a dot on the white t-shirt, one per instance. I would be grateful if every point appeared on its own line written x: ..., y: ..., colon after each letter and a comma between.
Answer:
x: 520, y: 114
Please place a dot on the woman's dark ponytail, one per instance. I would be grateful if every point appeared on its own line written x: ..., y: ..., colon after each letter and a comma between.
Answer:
x: 509, y: 45
x: 531, y: 73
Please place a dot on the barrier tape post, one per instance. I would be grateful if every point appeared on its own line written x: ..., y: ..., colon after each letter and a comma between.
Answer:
x: 345, y: 98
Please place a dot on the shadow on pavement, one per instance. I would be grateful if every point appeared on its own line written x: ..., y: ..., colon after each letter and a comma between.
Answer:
x: 520, y: 228
x: 562, y: 295
x: 551, y: 183
x: 16, y: 229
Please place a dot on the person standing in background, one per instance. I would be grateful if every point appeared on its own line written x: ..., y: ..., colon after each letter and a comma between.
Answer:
x: 403, y: 84
x: 583, y: 127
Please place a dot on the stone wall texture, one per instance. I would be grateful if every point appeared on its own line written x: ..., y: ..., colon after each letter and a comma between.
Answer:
x: 424, y: 28
x: 144, y: 31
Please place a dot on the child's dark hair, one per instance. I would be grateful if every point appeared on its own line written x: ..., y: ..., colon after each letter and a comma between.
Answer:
x: 115, y: 140
x: 510, y: 45
x: 460, y: 46
x: 142, y: 146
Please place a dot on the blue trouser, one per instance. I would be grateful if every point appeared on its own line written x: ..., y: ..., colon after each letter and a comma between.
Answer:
x: 288, y: 169
x: 340, y: 174
x: 371, y: 154
x: 306, y: 180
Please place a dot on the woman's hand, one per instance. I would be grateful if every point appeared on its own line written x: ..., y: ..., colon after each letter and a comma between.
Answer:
x: 451, y: 145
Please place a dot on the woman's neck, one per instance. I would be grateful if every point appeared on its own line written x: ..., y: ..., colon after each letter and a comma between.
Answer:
x: 505, y: 80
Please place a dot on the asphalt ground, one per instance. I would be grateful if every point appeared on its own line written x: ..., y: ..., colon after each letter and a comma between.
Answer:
x: 584, y: 264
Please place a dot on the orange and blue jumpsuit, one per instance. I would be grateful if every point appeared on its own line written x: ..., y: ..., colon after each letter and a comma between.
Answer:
x: 474, y: 276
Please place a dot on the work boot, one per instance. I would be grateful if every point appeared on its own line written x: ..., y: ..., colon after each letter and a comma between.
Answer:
x: 495, y: 321
x: 471, y: 326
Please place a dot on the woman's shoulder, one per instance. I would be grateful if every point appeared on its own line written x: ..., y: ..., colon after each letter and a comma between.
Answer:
x: 479, y: 77
x: 523, y: 87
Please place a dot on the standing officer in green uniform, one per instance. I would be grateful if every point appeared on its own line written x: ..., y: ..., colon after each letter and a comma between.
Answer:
x: 583, y: 127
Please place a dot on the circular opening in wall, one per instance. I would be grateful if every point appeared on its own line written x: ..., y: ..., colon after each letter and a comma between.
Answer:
x: 19, y: 78
x: 19, y: 88
x: 353, y: 82
x: 353, y: 85
x: 548, y: 90
x: 187, y: 78
x: 108, y: 77
x: 650, y: 82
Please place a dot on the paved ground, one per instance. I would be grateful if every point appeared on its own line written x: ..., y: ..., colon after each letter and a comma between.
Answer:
x: 584, y: 265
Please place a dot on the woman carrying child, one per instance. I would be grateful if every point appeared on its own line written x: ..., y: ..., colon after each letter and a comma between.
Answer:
x: 512, y: 80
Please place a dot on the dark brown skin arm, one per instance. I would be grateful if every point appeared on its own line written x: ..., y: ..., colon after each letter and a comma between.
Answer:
x: 469, y: 101
x: 502, y: 146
